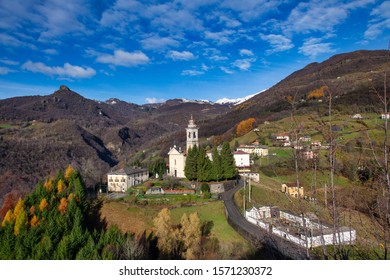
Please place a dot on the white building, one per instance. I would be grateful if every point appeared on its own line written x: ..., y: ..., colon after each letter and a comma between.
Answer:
x: 242, y: 159
x: 177, y: 157
x: 259, y: 150
x: 318, y: 233
x: 125, y: 178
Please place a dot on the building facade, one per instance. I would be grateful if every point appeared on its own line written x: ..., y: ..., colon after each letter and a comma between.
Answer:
x: 177, y: 157
x: 125, y: 178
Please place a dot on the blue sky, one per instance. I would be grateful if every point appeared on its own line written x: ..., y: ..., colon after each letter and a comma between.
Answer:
x: 147, y: 51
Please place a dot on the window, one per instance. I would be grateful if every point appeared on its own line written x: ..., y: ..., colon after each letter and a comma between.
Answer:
x: 175, y: 161
x: 189, y: 134
x: 194, y: 134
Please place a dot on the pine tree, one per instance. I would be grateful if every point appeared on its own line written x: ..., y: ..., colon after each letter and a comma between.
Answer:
x: 217, y: 171
x: 191, y: 167
x: 21, y: 220
x: 228, y: 163
x: 204, y: 166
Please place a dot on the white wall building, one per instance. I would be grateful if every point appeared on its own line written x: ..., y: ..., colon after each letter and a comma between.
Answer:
x: 259, y: 150
x: 125, y: 178
x: 177, y: 157
x: 242, y: 159
x: 318, y: 234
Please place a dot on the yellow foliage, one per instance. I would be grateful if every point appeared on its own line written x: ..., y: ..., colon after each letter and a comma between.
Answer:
x: 63, y: 205
x: 21, y: 220
x: 8, y: 217
x: 19, y: 206
x: 245, y: 126
x: 34, y: 221
x: 69, y: 172
x: 43, y: 204
x: 48, y: 185
x: 60, y: 186
x: 317, y: 93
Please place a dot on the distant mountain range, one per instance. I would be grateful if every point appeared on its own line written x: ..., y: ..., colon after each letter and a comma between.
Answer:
x: 42, y: 134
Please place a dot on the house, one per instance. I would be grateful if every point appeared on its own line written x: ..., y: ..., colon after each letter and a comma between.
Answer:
x: 293, y: 190
x: 309, y: 154
x: 385, y: 116
x: 305, y: 138
x: 254, y: 149
x: 290, y: 227
x: 177, y: 157
x: 283, y: 138
x: 242, y: 159
x: 254, y: 176
x: 125, y: 178
x: 357, y: 117
x: 315, y: 145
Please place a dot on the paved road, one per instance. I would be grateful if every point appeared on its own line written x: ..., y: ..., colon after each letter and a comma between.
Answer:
x: 255, y: 234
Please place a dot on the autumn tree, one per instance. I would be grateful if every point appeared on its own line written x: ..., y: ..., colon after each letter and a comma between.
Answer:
x: 168, y: 242
x: 191, y: 234
x: 43, y: 204
x: 245, y: 126
x: 63, y: 205
x: 317, y: 93
x: 69, y: 172
x: 60, y: 186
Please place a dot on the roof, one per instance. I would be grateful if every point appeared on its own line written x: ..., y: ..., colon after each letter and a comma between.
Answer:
x: 240, y: 153
x: 128, y: 171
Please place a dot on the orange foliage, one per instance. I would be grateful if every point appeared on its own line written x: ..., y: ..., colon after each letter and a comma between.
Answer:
x: 317, y: 93
x: 48, y: 185
x: 34, y: 221
x: 63, y: 205
x: 8, y: 217
x: 18, y: 208
x: 60, y: 186
x: 43, y: 204
x: 32, y: 210
x: 69, y: 172
x: 10, y: 201
x: 245, y: 126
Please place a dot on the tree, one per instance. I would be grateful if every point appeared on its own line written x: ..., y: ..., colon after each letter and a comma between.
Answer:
x: 204, y: 166
x: 43, y: 204
x: 63, y: 205
x: 168, y: 242
x: 217, y: 171
x: 9, y: 217
x: 191, y: 234
x: 191, y: 167
x: 60, y: 186
x: 228, y: 163
x: 21, y: 220
x: 245, y: 126
x: 69, y: 172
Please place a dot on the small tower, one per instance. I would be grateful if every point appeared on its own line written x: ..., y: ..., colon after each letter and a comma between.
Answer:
x: 192, y: 134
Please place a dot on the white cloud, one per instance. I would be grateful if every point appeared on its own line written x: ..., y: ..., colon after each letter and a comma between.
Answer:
x: 184, y: 55
x: 380, y: 22
x: 313, y: 47
x: 123, y: 58
x: 226, y: 70
x: 50, y: 51
x: 205, y: 67
x: 251, y: 9
x: 229, y: 22
x: 244, y: 64
x: 153, y: 100
x: 9, y: 40
x: 320, y: 16
x: 245, y: 52
x: 218, y: 58
x: 9, y: 62
x: 279, y: 43
x: 155, y: 42
x: 5, y: 70
x: 222, y: 37
x: 191, y: 73
x: 67, y: 70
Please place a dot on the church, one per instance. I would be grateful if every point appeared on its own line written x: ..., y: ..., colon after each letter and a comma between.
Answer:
x: 177, y: 157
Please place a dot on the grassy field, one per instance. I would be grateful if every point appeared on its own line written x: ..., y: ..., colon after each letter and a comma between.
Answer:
x: 136, y: 219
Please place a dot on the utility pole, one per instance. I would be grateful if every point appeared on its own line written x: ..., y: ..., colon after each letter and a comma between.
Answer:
x: 326, y: 195
x: 250, y: 190
x: 244, y: 194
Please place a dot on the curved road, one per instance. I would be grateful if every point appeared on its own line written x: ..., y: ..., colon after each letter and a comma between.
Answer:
x: 275, y: 246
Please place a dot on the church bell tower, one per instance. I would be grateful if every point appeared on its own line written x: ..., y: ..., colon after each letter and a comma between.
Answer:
x: 192, y: 134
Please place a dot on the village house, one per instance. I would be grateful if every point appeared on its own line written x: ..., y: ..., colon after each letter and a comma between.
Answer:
x: 177, y: 157
x: 242, y: 161
x: 293, y: 190
x: 357, y: 117
x: 125, y: 178
x: 255, y: 149
x: 385, y: 116
x: 309, y: 154
x: 290, y: 227
x: 283, y: 140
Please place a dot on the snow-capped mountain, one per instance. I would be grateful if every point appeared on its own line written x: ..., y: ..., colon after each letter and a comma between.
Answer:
x: 236, y: 101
